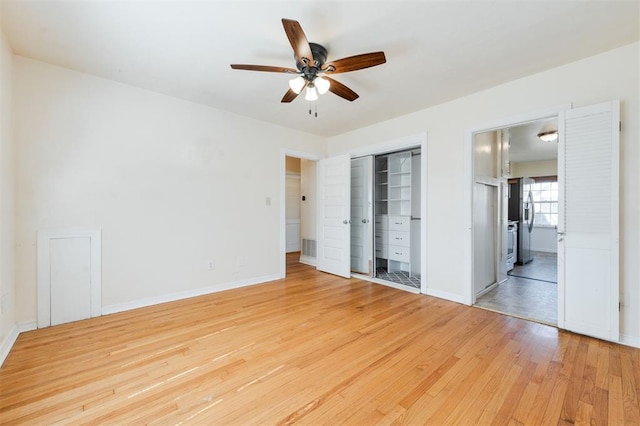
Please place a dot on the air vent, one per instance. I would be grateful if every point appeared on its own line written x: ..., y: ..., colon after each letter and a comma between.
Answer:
x: 308, y: 247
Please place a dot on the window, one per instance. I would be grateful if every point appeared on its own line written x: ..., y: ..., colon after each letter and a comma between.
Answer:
x: 545, y: 196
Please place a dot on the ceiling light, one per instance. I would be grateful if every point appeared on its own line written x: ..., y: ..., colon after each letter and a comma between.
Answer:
x: 312, y: 94
x: 548, y: 136
x: 297, y: 84
x: 322, y: 85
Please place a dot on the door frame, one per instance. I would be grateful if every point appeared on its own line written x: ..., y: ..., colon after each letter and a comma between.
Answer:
x: 468, y: 296
x: 44, y: 270
x: 284, y: 153
x: 400, y: 144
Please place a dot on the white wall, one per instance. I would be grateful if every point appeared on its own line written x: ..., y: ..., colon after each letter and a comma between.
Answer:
x: 158, y: 175
x: 534, y: 168
x: 545, y: 239
x: 611, y: 75
x: 8, y: 331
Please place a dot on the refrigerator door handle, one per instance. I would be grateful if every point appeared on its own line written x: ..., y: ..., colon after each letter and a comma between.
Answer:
x: 532, y: 206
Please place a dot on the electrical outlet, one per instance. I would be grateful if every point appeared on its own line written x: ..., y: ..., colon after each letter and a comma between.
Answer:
x: 211, y: 265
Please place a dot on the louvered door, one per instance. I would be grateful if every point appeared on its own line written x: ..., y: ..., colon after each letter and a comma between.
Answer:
x: 588, y: 173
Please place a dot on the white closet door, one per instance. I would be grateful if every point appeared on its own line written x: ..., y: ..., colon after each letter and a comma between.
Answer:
x: 588, y: 175
x: 361, y: 215
x: 334, y: 213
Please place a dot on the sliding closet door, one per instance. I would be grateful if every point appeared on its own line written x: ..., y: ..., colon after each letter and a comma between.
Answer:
x: 361, y: 214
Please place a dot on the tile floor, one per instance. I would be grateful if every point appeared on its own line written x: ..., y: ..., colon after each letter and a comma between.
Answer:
x: 530, y: 292
x: 400, y: 277
x: 544, y: 267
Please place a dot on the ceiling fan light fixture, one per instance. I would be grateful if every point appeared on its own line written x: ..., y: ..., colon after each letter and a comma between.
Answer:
x: 322, y: 85
x: 297, y: 84
x: 548, y: 136
x: 312, y: 94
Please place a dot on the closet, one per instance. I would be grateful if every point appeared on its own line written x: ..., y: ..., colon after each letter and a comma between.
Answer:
x: 396, y: 213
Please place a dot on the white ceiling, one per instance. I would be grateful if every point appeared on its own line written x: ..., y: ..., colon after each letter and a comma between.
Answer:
x: 525, y: 145
x: 436, y: 50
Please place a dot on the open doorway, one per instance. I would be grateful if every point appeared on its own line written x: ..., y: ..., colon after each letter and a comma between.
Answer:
x: 515, y: 221
x: 298, y: 211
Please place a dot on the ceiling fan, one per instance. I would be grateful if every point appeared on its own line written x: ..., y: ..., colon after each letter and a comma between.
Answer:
x: 312, y: 69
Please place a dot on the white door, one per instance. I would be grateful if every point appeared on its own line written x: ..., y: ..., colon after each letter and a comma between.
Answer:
x: 588, y: 177
x: 70, y: 279
x: 334, y: 205
x: 292, y: 212
x: 361, y: 214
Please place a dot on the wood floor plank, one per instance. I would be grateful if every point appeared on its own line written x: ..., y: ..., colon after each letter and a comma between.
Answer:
x: 315, y: 349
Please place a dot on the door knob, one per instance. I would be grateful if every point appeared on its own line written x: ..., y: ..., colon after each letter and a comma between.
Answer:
x: 346, y: 222
x: 365, y: 220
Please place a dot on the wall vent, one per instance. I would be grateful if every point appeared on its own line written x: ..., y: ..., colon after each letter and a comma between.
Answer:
x: 308, y: 247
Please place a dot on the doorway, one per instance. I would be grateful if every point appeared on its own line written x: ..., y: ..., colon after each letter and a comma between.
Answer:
x: 298, y: 209
x: 515, y: 243
x: 292, y: 204
x: 587, y: 237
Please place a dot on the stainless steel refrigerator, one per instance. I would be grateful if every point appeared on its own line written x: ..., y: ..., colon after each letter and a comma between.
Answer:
x: 522, y: 210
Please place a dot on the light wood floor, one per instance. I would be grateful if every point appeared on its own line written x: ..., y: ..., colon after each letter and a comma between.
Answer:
x: 316, y: 349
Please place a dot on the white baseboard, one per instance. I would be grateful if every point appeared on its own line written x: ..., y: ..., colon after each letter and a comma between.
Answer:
x: 10, y: 339
x: 150, y: 301
x: 311, y: 261
x: 487, y: 290
x: 445, y: 295
x: 7, y: 343
x: 27, y: 326
x: 544, y: 250
x: 628, y: 340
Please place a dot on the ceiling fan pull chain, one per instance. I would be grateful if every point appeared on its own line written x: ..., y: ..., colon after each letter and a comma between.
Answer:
x: 316, y: 110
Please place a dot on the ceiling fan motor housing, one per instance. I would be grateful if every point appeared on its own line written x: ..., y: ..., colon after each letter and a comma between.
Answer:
x: 310, y: 71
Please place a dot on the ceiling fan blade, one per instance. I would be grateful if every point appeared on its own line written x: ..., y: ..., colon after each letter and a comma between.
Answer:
x: 298, y: 40
x: 354, y: 63
x: 266, y: 68
x: 291, y: 95
x: 341, y: 90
